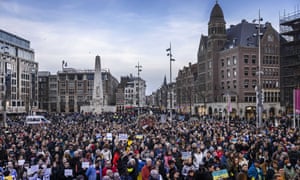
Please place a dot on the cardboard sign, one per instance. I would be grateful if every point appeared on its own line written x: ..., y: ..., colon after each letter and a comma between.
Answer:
x: 221, y: 174
x: 123, y: 137
x: 68, y: 172
x: 139, y: 136
x: 21, y: 162
x: 98, y: 136
x: 186, y: 155
x: 85, y: 165
x: 109, y: 136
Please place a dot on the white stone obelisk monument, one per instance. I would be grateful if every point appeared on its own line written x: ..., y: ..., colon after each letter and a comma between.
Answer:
x: 97, y: 99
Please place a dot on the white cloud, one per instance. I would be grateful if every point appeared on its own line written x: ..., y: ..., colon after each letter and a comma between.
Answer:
x: 79, y: 45
x: 80, y: 39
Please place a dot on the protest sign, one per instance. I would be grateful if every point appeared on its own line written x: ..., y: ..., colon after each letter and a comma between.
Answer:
x: 221, y: 174
x: 123, y: 137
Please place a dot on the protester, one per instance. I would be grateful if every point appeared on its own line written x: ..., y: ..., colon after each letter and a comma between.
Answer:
x: 147, y: 169
x: 149, y: 149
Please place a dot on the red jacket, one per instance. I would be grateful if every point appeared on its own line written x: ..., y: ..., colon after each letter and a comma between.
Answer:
x: 115, y: 159
x: 104, y: 170
x: 146, y: 172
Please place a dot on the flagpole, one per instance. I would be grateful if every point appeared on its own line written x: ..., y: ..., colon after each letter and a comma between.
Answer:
x: 228, y: 109
x: 294, y: 99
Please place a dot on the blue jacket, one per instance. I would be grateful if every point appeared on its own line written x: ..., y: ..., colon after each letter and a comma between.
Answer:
x: 254, y: 172
x: 91, y: 173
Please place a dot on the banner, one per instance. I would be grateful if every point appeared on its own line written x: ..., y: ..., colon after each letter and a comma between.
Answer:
x: 297, y: 101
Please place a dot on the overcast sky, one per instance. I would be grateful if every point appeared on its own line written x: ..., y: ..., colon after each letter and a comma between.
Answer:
x: 125, y: 32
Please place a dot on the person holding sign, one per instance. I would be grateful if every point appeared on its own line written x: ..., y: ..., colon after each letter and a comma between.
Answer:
x: 68, y: 171
x: 188, y: 165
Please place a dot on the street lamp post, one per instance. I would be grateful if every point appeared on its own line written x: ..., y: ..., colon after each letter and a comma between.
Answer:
x: 32, y: 87
x: 4, y: 48
x: 169, y: 53
x: 259, y: 104
x: 138, y: 66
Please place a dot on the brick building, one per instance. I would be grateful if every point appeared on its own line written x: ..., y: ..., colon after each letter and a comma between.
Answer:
x: 228, y: 68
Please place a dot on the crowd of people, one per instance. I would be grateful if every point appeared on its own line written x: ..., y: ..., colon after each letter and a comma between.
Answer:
x: 127, y: 147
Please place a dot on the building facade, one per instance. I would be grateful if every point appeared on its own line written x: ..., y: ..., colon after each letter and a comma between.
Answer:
x: 131, y: 93
x: 186, y: 89
x: 164, y: 98
x: 290, y: 58
x: 228, y: 62
x: 43, y: 86
x: 70, y: 89
x: 18, y: 75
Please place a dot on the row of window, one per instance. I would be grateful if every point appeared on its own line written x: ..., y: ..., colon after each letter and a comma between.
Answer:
x: 80, y: 77
x: 233, y: 60
x: 268, y: 97
x: 228, y: 61
x: 271, y: 49
x: 266, y: 84
x: 267, y: 72
x: 271, y: 60
x: 128, y: 90
x: 270, y: 84
x: 271, y: 72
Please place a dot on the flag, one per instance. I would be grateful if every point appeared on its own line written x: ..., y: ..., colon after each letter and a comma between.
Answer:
x: 297, y: 101
x: 229, y: 108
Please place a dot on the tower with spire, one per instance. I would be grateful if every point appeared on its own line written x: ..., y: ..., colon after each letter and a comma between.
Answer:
x: 215, y: 42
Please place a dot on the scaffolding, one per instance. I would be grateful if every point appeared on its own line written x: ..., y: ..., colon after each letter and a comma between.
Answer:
x: 290, y: 57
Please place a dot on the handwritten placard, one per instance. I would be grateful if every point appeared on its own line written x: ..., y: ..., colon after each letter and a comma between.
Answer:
x: 68, y: 172
x: 85, y: 164
x: 21, y: 162
x: 123, y: 137
x: 186, y: 155
x: 98, y: 135
x: 109, y: 136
